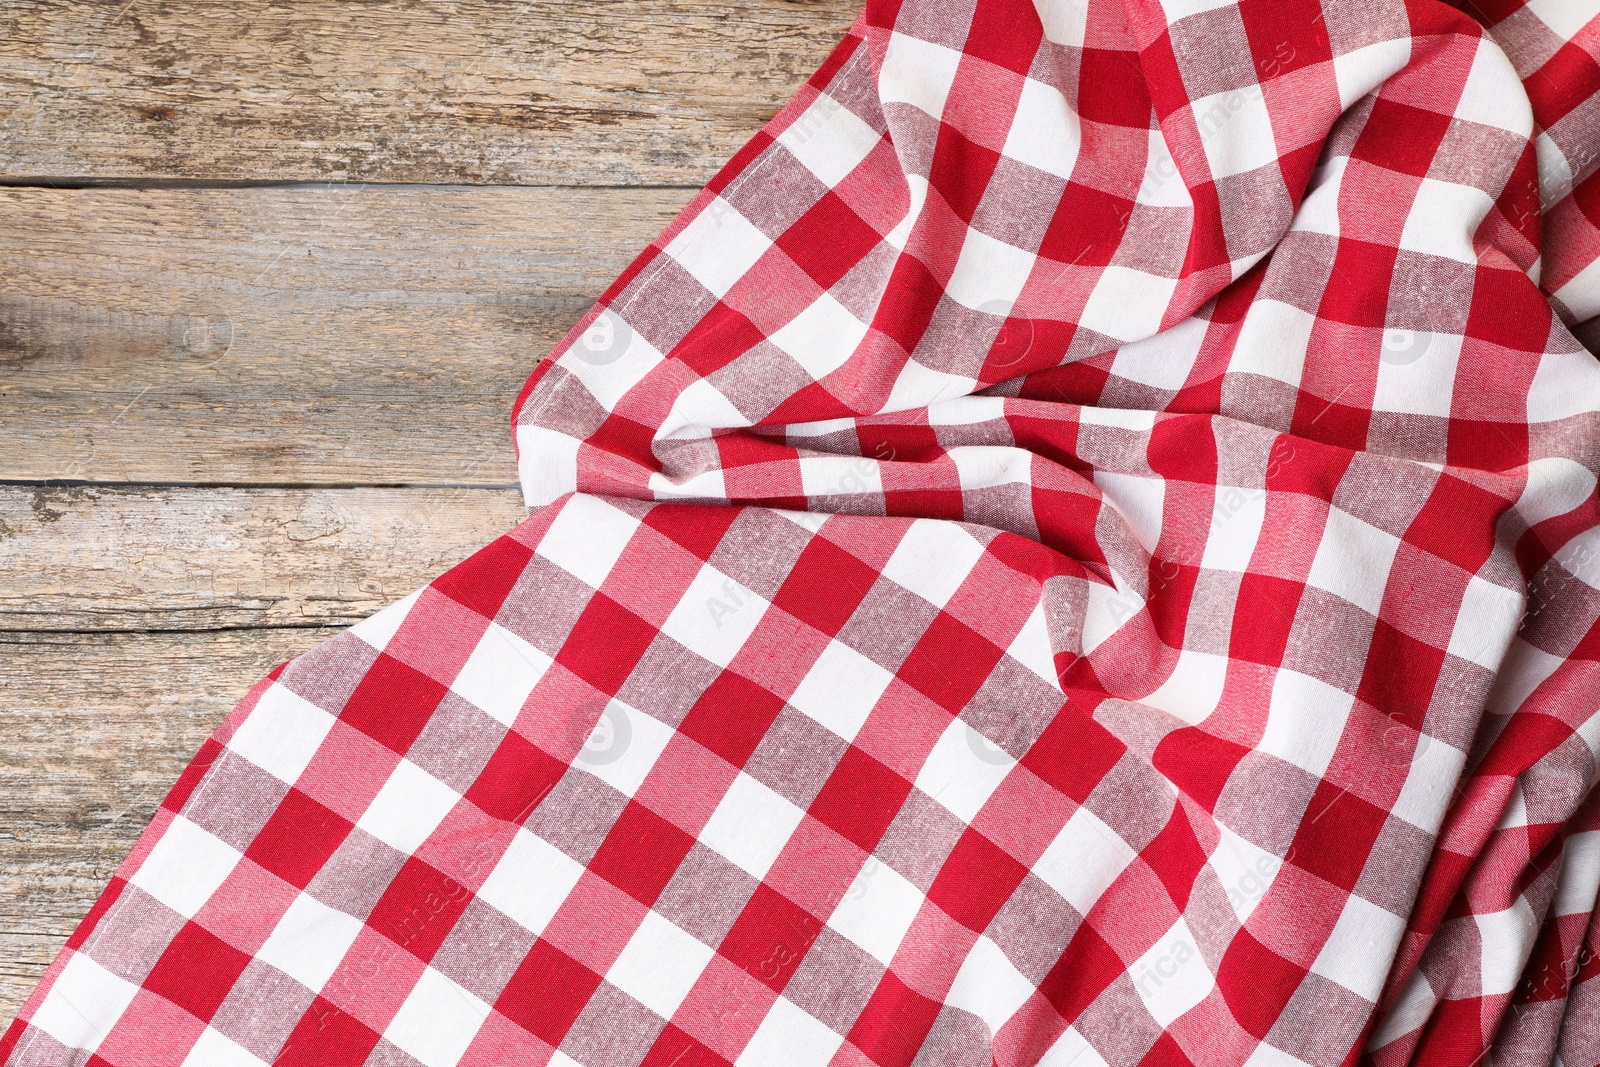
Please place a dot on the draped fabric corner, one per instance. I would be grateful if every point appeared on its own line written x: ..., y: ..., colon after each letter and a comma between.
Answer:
x: 1080, y: 547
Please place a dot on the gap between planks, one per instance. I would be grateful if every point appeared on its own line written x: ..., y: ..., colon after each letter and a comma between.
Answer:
x: 132, y: 619
x: 183, y: 318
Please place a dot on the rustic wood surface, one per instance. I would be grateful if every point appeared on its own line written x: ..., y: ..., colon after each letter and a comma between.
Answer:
x: 237, y: 414
x: 323, y: 336
x: 91, y: 558
x: 503, y: 92
x: 97, y: 727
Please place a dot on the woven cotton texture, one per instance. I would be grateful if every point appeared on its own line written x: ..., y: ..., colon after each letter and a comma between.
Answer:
x: 1079, y: 547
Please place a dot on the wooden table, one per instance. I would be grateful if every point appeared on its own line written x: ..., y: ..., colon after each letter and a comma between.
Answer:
x: 270, y: 278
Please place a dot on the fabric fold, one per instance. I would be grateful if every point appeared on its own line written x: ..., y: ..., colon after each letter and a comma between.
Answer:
x: 1079, y: 546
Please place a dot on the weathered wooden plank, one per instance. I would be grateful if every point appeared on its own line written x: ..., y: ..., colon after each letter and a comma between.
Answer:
x: 318, y: 335
x: 23, y: 958
x: 600, y: 92
x: 98, y: 558
x: 97, y: 727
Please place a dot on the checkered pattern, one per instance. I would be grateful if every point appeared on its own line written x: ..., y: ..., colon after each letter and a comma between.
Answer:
x: 1080, y: 547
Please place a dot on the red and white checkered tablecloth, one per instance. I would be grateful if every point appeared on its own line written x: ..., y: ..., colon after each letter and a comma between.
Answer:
x: 1080, y: 547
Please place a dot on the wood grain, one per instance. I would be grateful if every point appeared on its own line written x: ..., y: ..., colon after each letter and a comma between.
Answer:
x: 97, y: 727
x: 95, y: 558
x: 549, y: 92
x: 320, y: 374
x: 320, y: 336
